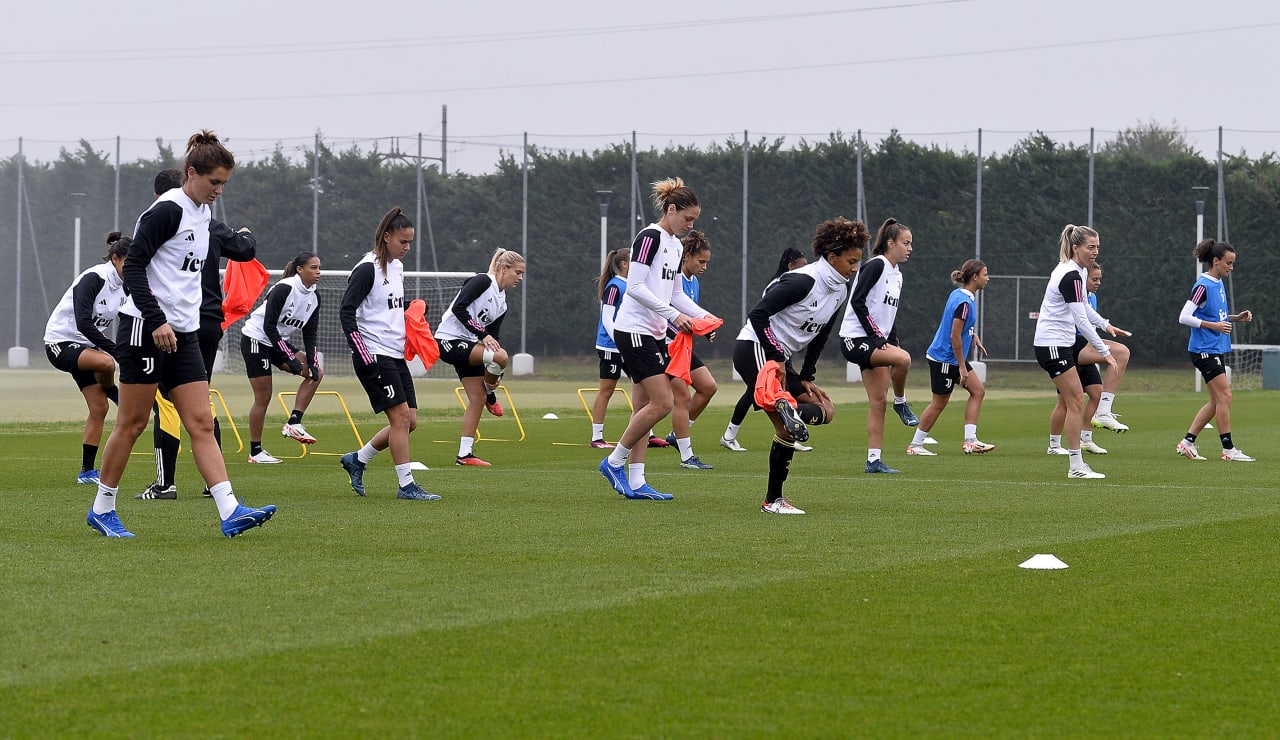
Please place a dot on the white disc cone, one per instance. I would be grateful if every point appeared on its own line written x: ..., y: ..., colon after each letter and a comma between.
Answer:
x: 1043, y: 562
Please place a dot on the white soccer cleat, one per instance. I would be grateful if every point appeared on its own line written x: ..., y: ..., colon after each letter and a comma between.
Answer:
x: 802, y: 447
x: 1109, y: 421
x: 264, y: 458
x: 780, y: 507
x: 1188, y: 450
x: 297, y: 432
x: 930, y: 441
x: 921, y: 450
x: 976, y: 447
x: 1235, y: 454
x: 1058, y: 451
x: 732, y: 445
x: 1084, y: 471
x: 1088, y: 445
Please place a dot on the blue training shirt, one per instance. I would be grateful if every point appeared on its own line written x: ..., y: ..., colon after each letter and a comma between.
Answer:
x: 1210, y: 298
x: 614, y: 290
x: 961, y: 305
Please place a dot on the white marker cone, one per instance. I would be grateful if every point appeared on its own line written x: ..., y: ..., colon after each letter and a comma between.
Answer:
x: 1043, y: 562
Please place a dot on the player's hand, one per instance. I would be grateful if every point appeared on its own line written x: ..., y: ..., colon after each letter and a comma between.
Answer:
x: 164, y: 338
x: 1118, y: 332
x: 683, y: 323
x: 711, y: 336
x: 243, y: 230
x: 491, y: 344
x: 964, y: 376
x: 1111, y: 362
x: 978, y: 343
x: 1246, y: 316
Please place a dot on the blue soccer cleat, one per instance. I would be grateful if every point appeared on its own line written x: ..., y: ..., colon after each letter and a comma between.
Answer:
x: 693, y: 463
x: 88, y: 477
x: 617, y: 477
x: 904, y: 413
x: 413, y: 492
x: 878, y: 466
x: 108, y: 524
x: 791, y: 421
x: 355, y: 469
x: 245, y: 518
x: 646, y: 492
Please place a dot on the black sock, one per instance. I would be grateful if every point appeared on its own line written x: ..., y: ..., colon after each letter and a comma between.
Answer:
x: 88, y: 453
x: 217, y: 433
x: 167, y: 462
x: 490, y: 398
x: 254, y: 448
x: 1227, y: 444
x: 295, y: 417
x: 780, y: 455
x: 1190, y: 438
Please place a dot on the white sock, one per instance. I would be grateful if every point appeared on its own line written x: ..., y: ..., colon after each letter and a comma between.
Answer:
x: 873, y: 454
x: 1086, y: 435
x: 685, y: 446
x: 597, y: 431
x: 1055, y: 440
x: 970, y: 431
x: 899, y: 399
x: 635, y: 475
x: 366, y: 453
x: 465, y: 446
x: 917, y: 440
x: 731, y: 431
x: 1104, y: 404
x: 404, y: 474
x: 224, y: 498
x: 619, y: 456
x: 105, y: 501
x: 1076, y: 460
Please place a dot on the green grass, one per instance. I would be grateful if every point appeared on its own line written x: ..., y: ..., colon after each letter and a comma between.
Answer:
x: 534, y: 601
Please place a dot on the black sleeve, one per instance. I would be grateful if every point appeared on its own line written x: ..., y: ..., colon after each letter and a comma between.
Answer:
x: 237, y: 246
x: 791, y: 288
x: 156, y: 227
x: 868, y: 276
x: 471, y: 290
x: 646, y: 247
x: 1071, y: 287
x: 359, y: 284
x: 83, y: 297
x: 271, y: 319
x: 495, y: 328
x: 310, y: 331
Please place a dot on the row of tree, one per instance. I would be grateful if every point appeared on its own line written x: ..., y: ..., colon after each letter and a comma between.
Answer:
x: 1143, y: 209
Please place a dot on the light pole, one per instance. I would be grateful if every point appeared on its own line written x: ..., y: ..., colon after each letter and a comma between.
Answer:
x: 75, y: 267
x: 1199, y: 191
x: 603, y: 197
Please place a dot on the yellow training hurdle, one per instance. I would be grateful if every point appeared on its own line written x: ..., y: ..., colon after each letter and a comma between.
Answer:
x: 305, y: 451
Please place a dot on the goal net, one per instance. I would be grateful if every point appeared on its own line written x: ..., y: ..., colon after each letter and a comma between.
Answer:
x: 437, y: 288
x: 1246, y: 363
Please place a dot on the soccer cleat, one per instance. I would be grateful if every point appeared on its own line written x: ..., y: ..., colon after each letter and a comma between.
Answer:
x: 693, y: 463
x: 87, y: 477
x: 600, y: 444
x: 656, y: 441
x: 108, y: 524
x: 1088, y: 445
x: 922, y: 451
x: 1084, y: 471
x: 646, y: 492
x: 930, y: 441
x: 1057, y: 450
x: 976, y: 447
x: 791, y: 421
x: 1235, y: 454
x: 355, y: 469
x: 491, y: 403
x: 264, y: 458
x: 470, y: 459
x: 1109, y: 421
x: 411, y: 491
x: 297, y: 432
x: 157, y: 492
x: 801, y: 448
x: 878, y: 466
x: 206, y: 492
x: 904, y: 413
x: 671, y: 439
x: 779, y: 507
x: 731, y: 445
x: 1188, y: 450
x: 617, y: 477
x: 245, y: 518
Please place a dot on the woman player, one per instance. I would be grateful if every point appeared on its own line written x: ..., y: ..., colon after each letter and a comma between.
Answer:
x: 468, y: 336
x: 74, y: 342
x: 158, y: 342
x: 641, y: 328
x: 1063, y: 312
x: 1209, y: 316
x: 292, y: 307
x: 611, y: 288
x: 794, y: 316
x: 687, y: 409
x: 948, y: 366
x: 372, y: 316
x: 868, y: 338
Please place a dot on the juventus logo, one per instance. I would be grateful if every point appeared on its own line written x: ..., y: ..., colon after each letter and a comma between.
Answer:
x: 148, y: 365
x: 391, y: 392
x: 266, y: 364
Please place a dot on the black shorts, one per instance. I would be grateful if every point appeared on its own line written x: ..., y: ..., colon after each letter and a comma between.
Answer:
x: 260, y: 357
x: 457, y: 352
x: 1210, y: 366
x: 611, y: 365
x: 142, y: 363
x: 1089, y: 373
x: 748, y: 358
x: 943, y: 376
x: 66, y: 357
x: 387, y: 383
x: 1056, y: 360
x: 643, y: 355
x: 858, y: 350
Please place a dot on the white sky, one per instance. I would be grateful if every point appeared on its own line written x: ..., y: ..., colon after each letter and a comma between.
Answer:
x: 581, y: 74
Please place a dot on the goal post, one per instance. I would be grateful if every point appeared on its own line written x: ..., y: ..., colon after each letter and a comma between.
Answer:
x: 1252, y: 366
x: 438, y: 289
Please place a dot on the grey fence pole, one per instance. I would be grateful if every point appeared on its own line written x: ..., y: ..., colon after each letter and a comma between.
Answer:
x: 1089, y: 222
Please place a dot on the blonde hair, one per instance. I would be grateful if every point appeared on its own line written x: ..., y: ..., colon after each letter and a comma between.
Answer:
x: 673, y: 192
x: 1073, y: 236
x: 504, y: 258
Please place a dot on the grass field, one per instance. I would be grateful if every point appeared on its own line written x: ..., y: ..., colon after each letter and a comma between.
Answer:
x: 534, y: 601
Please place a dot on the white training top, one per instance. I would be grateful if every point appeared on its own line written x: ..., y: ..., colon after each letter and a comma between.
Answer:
x: 373, y: 308
x: 99, y: 293
x: 482, y: 304
x: 1065, y: 309
x: 299, y: 304
x: 171, y: 243
x: 652, y: 298
x: 873, y: 302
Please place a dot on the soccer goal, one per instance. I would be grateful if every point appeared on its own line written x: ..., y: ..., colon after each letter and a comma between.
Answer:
x: 436, y: 288
x: 1246, y: 363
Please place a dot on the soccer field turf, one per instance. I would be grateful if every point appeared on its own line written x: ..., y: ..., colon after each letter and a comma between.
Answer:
x: 534, y: 601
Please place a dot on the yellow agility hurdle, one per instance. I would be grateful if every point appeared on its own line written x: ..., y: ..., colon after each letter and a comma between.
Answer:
x: 213, y: 393
x: 587, y: 407
x: 461, y: 394
x: 305, y: 448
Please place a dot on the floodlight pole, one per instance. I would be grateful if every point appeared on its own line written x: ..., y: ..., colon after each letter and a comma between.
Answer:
x: 603, y: 197
x: 1199, y: 191
x: 75, y: 266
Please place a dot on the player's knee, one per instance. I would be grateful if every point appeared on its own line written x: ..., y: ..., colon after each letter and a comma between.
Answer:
x: 98, y: 405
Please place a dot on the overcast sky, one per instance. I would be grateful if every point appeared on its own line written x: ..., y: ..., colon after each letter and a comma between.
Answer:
x: 584, y: 74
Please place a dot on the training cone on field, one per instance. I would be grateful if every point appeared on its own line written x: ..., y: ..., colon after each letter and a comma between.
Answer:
x: 1043, y: 562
